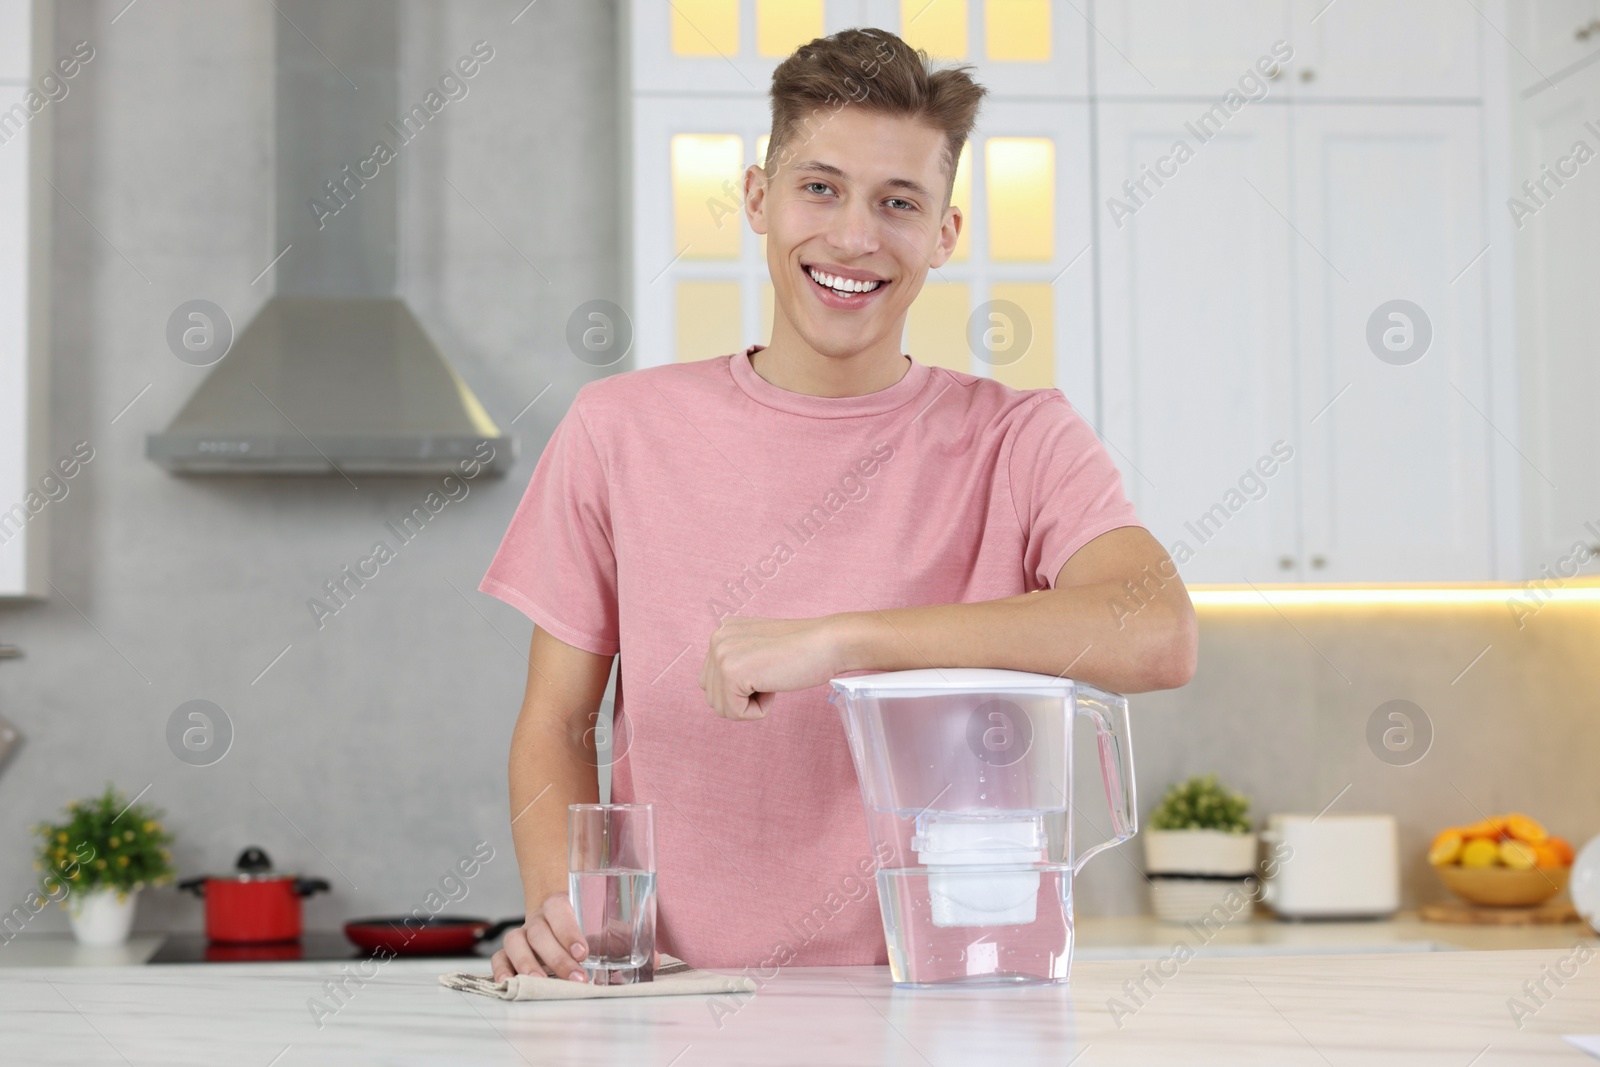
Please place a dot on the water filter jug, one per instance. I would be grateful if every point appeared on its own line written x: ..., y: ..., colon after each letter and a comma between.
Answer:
x: 966, y: 775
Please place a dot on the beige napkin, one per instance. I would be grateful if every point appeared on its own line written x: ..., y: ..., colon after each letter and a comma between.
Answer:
x: 672, y: 976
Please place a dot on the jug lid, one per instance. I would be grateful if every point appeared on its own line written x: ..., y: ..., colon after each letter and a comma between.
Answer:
x: 935, y: 680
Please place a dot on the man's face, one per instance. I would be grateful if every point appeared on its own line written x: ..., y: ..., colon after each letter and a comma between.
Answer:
x: 859, y: 196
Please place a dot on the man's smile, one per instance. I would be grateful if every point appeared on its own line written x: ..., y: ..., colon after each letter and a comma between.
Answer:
x: 844, y: 288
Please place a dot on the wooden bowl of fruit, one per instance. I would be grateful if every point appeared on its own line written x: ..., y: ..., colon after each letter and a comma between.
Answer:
x: 1505, y: 861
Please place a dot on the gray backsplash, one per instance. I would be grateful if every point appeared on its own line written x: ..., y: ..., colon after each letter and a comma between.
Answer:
x: 373, y: 752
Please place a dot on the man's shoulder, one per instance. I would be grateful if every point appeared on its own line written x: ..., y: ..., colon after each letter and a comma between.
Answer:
x: 992, y: 400
x: 630, y: 390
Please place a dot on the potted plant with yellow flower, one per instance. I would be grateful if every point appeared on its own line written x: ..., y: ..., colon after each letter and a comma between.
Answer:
x: 95, y: 862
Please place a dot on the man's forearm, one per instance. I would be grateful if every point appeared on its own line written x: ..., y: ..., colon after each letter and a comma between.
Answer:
x: 547, y: 773
x: 1075, y: 631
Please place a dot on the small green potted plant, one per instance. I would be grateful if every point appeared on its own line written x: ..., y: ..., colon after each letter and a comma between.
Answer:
x: 95, y: 862
x: 1198, y: 849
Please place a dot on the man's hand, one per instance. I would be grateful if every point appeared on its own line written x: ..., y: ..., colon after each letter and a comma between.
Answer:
x: 750, y: 659
x: 548, y: 942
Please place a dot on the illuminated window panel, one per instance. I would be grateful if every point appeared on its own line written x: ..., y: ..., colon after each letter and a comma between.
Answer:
x: 705, y: 27
x: 1017, y: 31
x: 767, y: 300
x: 708, y: 320
x: 1021, y: 176
x: 1036, y: 368
x: 784, y: 25
x: 936, y: 326
x: 961, y: 197
x: 939, y: 27
x: 761, y: 161
x: 706, y: 195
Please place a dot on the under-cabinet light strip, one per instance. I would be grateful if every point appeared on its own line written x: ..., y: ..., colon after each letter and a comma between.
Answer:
x: 1530, y: 595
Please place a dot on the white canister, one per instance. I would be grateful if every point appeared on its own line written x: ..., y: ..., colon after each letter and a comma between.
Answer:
x: 1332, y: 866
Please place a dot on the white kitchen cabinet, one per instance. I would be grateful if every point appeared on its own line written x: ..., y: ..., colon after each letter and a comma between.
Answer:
x: 1151, y: 48
x: 1558, y: 323
x: 23, y: 317
x: 1552, y: 38
x: 1196, y: 337
x: 1389, y: 206
x: 1418, y: 49
x: 1235, y: 304
x: 15, y: 44
x: 1344, y: 49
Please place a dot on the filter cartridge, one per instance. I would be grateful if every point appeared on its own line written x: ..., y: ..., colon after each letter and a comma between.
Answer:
x: 980, y: 870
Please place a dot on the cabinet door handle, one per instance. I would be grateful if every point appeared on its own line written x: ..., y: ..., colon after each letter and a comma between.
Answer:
x: 1319, y: 562
x: 1286, y: 563
x: 1583, y: 32
x: 1307, y: 74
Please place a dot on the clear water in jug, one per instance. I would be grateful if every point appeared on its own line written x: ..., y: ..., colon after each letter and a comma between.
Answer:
x: 966, y: 775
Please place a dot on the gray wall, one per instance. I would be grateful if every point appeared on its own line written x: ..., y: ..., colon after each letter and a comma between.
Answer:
x: 382, y: 738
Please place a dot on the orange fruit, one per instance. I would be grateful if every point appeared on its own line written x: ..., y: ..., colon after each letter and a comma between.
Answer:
x: 1480, y: 852
x: 1547, y: 857
x: 1563, y: 850
x: 1446, y: 848
x: 1484, y: 828
x: 1519, y: 855
x: 1523, y: 828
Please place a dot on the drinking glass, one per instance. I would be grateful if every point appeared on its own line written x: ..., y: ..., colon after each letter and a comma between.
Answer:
x: 611, y: 880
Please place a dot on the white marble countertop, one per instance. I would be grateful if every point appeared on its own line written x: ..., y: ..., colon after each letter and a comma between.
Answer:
x: 1103, y: 937
x: 1133, y: 936
x: 1445, y: 1008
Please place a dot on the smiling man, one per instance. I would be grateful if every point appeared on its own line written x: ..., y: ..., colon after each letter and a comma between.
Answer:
x: 743, y: 528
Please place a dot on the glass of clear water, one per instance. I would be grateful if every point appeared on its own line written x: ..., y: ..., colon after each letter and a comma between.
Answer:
x: 611, y: 879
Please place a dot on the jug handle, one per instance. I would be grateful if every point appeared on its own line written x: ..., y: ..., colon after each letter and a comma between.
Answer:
x: 1110, y: 715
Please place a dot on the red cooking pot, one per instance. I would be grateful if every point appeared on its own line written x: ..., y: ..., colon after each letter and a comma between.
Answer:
x: 254, y: 904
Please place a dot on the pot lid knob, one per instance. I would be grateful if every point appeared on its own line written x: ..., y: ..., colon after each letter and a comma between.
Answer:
x: 253, y: 861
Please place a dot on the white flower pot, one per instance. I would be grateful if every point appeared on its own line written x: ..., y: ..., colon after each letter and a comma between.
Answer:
x: 101, y: 916
x: 1199, y: 852
x: 1222, y: 860
x: 1211, y: 902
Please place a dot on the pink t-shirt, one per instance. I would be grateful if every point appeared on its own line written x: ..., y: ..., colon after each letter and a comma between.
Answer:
x: 671, y: 496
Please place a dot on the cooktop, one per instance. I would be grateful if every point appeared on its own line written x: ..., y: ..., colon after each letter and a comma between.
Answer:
x: 313, y: 945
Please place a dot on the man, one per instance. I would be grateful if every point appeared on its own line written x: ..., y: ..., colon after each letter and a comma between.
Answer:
x: 744, y: 528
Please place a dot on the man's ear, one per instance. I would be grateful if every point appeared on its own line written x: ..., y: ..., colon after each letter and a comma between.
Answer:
x: 949, y: 231
x: 755, y: 197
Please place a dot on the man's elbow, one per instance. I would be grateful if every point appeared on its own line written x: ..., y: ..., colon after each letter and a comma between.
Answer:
x: 1174, y: 661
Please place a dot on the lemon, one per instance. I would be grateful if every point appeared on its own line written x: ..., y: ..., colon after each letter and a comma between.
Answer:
x: 1446, y: 848
x: 1518, y: 854
x: 1480, y: 852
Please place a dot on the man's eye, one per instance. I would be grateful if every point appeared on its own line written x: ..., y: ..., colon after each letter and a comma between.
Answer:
x: 903, y: 205
x: 812, y: 187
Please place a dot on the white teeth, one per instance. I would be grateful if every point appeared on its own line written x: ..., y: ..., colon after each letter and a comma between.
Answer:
x: 842, y: 285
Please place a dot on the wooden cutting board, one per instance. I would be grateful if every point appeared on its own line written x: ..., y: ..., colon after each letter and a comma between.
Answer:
x: 1455, y: 911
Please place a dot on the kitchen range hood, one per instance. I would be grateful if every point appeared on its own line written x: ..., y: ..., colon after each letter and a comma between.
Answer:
x: 335, y: 374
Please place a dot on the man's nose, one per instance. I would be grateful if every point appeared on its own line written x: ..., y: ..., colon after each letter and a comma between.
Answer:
x: 855, y: 228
